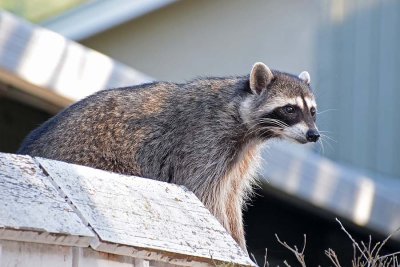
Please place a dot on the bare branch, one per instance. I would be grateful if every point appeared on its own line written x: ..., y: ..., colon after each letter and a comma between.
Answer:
x: 365, y: 254
x: 299, y: 255
x: 352, y: 239
x: 333, y: 257
x: 286, y: 264
x: 386, y: 239
x: 266, y: 263
x: 254, y: 259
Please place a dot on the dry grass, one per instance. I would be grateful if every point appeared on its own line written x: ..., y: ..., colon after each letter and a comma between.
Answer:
x: 364, y: 255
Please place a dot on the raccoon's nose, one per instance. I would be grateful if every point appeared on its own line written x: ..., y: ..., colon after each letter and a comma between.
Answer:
x: 312, y: 135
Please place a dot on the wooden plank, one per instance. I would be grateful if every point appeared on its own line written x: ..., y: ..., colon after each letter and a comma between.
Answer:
x: 24, y: 254
x: 50, y: 67
x: 141, y: 263
x: 145, y: 218
x: 87, y: 257
x: 163, y: 264
x: 32, y: 209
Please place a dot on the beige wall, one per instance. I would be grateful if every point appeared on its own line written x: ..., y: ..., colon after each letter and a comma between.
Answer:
x: 208, y: 37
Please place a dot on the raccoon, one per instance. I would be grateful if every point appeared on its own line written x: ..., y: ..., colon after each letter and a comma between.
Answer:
x: 205, y: 134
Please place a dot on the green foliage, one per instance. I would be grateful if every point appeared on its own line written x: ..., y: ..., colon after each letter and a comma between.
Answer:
x: 38, y: 10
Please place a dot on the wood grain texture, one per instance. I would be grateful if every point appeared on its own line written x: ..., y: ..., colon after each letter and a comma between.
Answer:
x: 46, y: 201
x: 145, y: 218
x: 87, y: 257
x: 32, y: 209
x: 26, y: 254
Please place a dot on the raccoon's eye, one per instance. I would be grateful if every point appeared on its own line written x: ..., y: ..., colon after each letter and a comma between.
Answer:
x: 289, y: 109
x: 313, y: 111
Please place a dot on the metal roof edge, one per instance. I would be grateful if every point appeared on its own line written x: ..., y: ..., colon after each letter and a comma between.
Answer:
x: 98, y: 16
x: 68, y: 72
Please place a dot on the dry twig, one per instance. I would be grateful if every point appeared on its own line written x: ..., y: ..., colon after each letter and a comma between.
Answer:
x: 364, y: 255
x: 299, y: 254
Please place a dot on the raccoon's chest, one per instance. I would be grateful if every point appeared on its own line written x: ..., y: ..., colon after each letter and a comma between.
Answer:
x: 242, y: 173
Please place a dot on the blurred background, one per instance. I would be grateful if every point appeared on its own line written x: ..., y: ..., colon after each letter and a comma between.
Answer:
x: 349, y: 47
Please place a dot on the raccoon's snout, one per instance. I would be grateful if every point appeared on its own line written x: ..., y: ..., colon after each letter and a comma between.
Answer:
x: 312, y: 135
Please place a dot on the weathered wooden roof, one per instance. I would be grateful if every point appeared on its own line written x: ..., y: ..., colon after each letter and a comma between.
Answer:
x: 54, y: 202
x: 31, y: 207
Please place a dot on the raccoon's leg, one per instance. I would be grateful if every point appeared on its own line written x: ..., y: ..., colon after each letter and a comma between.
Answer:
x: 217, y: 206
x: 234, y: 214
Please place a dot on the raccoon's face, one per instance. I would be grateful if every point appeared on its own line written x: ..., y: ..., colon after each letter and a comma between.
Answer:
x: 281, y: 106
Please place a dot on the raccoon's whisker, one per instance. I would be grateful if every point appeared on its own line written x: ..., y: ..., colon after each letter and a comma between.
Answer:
x: 273, y: 126
x: 328, y: 137
x: 273, y: 122
x: 264, y: 120
x: 326, y: 110
x: 254, y: 129
x: 322, y: 146
x: 272, y: 130
x: 324, y: 139
x: 324, y: 131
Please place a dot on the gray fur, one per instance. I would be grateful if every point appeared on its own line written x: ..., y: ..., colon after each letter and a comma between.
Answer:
x: 193, y: 134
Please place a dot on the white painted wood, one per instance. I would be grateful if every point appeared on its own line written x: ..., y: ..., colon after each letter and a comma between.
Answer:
x: 25, y: 254
x: 50, y: 67
x: 141, y: 263
x: 145, y: 218
x: 162, y: 264
x: 32, y: 209
x: 158, y: 256
x: 87, y: 257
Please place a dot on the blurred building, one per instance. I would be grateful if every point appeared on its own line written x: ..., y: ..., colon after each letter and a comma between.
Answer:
x: 350, y: 50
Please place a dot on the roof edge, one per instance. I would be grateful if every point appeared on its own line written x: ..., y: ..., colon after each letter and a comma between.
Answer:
x: 98, y: 16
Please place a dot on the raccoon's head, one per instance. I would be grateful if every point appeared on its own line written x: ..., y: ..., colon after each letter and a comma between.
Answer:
x: 280, y: 105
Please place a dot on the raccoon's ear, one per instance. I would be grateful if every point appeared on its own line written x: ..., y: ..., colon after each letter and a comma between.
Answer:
x: 305, y: 76
x: 260, y: 77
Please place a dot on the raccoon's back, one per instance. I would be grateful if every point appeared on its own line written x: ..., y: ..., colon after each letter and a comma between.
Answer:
x: 99, y: 131
x: 155, y: 130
